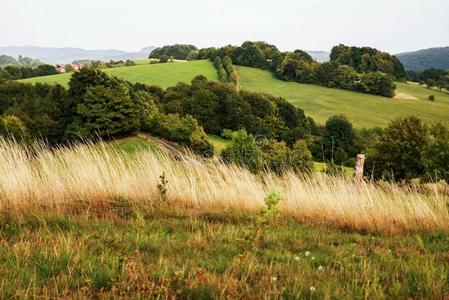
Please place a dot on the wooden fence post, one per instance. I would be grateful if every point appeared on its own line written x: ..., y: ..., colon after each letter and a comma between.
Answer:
x: 359, y: 162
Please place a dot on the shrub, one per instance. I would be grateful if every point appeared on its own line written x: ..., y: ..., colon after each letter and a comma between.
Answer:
x: 105, y: 112
x: 431, y: 98
x: 243, y: 151
x: 435, y: 155
x: 163, y: 59
x: 301, y: 159
x: 377, y: 83
x: 12, y: 126
x: 397, y: 154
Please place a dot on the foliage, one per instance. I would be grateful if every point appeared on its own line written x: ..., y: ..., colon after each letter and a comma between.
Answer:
x: 365, y: 59
x: 219, y: 106
x: 105, y: 111
x: 177, y: 51
x: 301, y: 158
x: 12, y: 126
x: 425, y: 59
x: 377, y: 83
x: 338, y: 139
x: 435, y: 154
x: 397, y: 154
x: 243, y: 151
x: 14, y: 72
x: 21, y: 61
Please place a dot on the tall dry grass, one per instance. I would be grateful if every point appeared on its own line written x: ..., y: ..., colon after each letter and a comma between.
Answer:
x: 94, y: 175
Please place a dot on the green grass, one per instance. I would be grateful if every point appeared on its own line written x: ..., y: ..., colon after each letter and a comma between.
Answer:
x: 144, y: 255
x: 164, y: 75
x: 218, y: 142
x: 132, y: 144
x: 362, y: 109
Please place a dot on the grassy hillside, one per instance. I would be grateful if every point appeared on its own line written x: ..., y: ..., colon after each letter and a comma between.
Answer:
x: 88, y: 222
x: 362, y: 109
x: 164, y: 75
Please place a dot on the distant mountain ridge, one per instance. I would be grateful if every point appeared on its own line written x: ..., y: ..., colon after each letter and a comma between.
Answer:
x: 425, y: 59
x: 67, y: 55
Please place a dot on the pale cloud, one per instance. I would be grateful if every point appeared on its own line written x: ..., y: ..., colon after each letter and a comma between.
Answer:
x: 391, y: 25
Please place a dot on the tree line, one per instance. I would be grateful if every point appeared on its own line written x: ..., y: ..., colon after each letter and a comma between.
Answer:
x: 361, y: 69
x: 225, y: 70
x: 22, y: 72
x: 431, y: 78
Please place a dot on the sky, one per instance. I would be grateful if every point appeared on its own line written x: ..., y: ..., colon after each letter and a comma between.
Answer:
x: 390, y: 25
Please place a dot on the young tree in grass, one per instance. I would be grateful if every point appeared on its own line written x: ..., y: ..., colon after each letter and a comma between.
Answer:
x: 243, y: 151
x: 300, y: 158
x: 338, y: 134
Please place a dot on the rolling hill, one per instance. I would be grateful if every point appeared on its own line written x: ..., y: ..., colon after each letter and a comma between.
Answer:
x: 318, y: 102
x: 362, y: 109
x: 425, y: 59
x: 164, y: 75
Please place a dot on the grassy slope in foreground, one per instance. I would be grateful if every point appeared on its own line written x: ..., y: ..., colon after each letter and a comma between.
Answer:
x: 362, y: 109
x: 164, y: 75
x: 138, y: 254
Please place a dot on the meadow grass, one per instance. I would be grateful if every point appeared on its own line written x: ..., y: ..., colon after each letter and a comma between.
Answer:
x: 164, y: 75
x: 363, y: 110
x: 97, y: 175
x: 172, y: 257
x: 91, y: 221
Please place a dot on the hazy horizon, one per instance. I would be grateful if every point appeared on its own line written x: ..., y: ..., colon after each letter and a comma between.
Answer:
x: 394, y: 26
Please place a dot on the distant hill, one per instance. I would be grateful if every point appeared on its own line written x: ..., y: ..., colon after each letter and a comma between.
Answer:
x: 68, y: 55
x: 319, y: 56
x: 425, y: 59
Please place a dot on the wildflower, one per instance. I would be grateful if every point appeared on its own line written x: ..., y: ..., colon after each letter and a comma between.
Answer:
x: 321, y: 268
x: 274, y: 279
x: 297, y: 258
x: 312, y: 289
x: 307, y: 253
x: 313, y: 257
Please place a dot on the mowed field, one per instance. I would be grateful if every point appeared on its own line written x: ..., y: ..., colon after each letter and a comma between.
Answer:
x: 164, y: 75
x: 363, y: 110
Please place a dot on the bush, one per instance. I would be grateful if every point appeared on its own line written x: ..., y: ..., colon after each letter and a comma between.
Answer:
x: 300, y: 158
x: 184, y: 130
x: 12, y: 126
x: 163, y: 59
x: 105, y: 111
x: 177, y: 51
x: 435, y: 155
x: 431, y: 98
x: 377, y: 83
x: 397, y: 154
x: 243, y: 151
